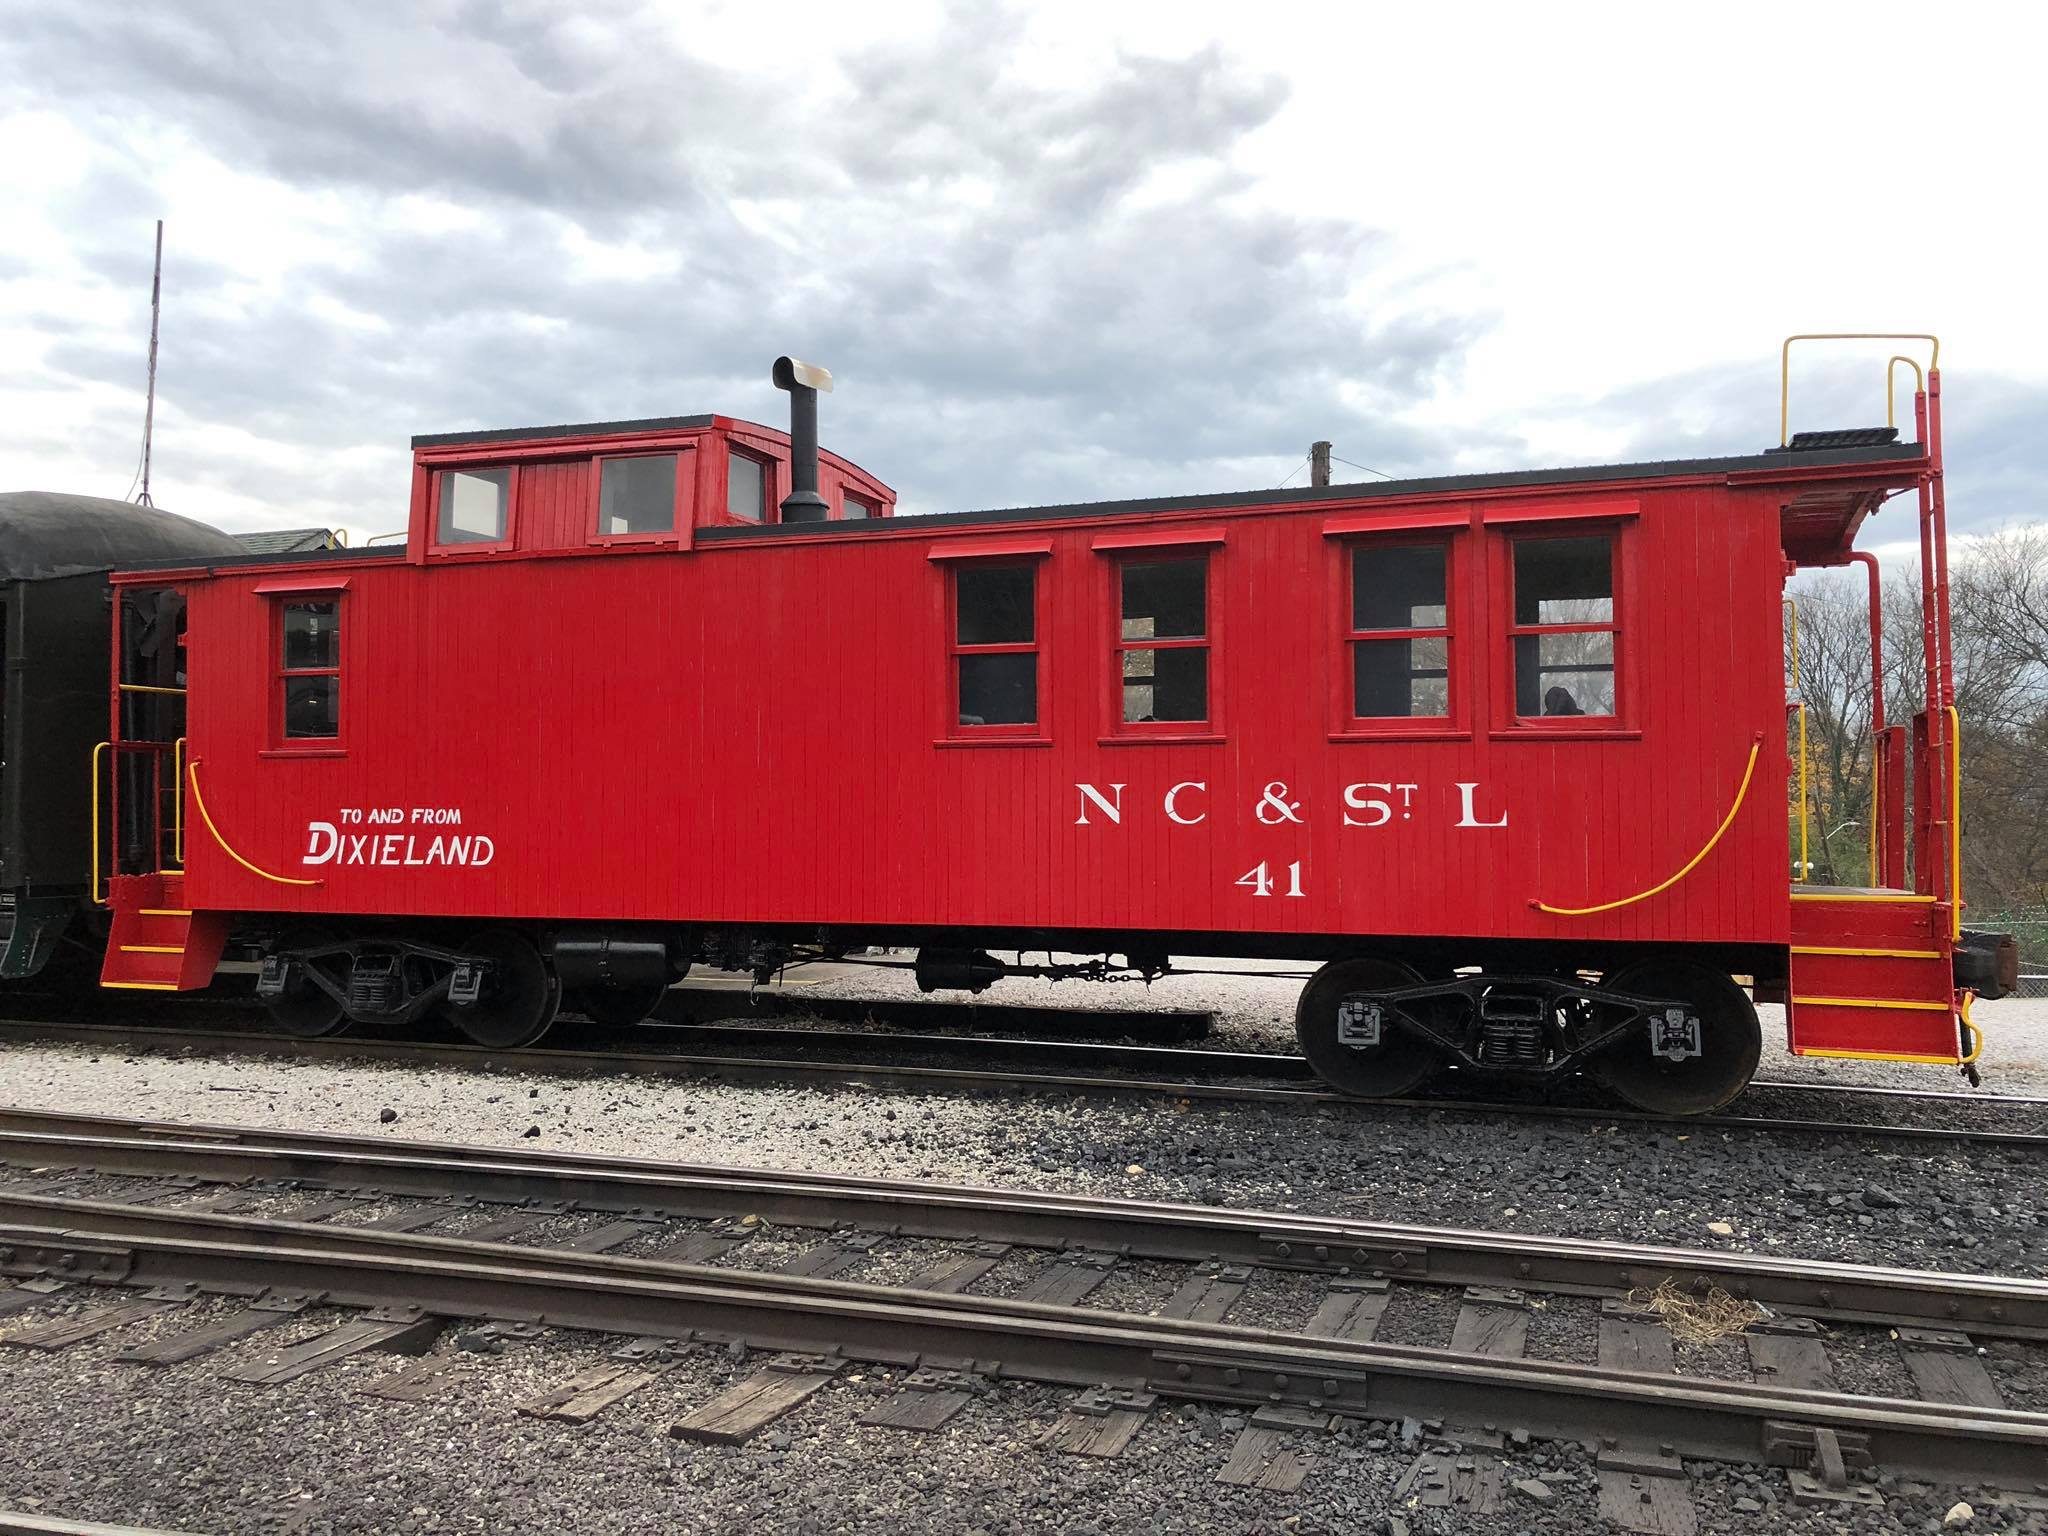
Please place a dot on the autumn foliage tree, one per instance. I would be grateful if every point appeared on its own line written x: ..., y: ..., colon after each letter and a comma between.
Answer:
x: 1999, y: 639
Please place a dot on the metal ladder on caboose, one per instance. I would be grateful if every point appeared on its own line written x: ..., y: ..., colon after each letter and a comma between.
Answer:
x: 1872, y: 968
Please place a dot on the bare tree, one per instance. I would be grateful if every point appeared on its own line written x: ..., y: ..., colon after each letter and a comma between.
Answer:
x: 1999, y: 642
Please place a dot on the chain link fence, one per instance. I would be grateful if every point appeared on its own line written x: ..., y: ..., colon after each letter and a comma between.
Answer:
x: 2029, y: 925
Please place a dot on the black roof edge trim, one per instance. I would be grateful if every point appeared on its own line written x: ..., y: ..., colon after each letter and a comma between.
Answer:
x: 1369, y: 490
x: 281, y: 557
x: 567, y: 429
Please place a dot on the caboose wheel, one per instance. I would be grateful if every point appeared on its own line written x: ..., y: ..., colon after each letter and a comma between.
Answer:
x: 618, y: 1007
x: 305, y: 1010
x: 519, y: 997
x: 1730, y: 1042
x: 1398, y: 1063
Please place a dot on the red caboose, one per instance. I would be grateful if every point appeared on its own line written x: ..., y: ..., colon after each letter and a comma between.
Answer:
x: 1507, y: 752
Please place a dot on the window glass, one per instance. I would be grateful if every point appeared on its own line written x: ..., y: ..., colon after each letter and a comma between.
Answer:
x: 1165, y: 600
x: 637, y: 495
x: 1395, y: 679
x: 995, y: 636
x: 311, y: 637
x: 1166, y: 684
x: 1397, y: 588
x: 996, y: 605
x: 1162, y: 634
x: 855, y: 507
x: 312, y: 707
x: 998, y: 688
x: 1564, y: 581
x: 746, y: 487
x: 309, y: 657
x: 1565, y: 673
x: 473, y: 503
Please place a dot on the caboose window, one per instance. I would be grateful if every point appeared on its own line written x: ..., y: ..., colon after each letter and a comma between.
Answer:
x: 1400, y: 632
x: 473, y: 506
x: 746, y: 487
x: 1564, y: 633
x: 855, y: 507
x: 995, y: 645
x: 309, y: 670
x: 1162, y: 641
x: 637, y: 495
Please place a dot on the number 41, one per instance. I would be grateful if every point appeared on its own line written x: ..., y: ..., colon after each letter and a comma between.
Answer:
x: 1260, y: 879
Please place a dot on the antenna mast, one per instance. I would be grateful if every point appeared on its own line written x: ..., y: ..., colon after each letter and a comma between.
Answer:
x: 156, y: 301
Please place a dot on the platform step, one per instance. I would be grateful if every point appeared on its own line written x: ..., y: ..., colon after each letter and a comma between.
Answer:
x: 1870, y: 977
x: 162, y: 948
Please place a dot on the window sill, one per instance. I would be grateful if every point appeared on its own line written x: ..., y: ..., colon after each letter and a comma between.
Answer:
x: 1552, y: 733
x: 1162, y: 739
x: 303, y: 752
x: 1437, y: 733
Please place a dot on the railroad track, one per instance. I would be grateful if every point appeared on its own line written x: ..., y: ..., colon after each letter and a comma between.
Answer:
x: 1245, y: 1077
x: 992, y: 1285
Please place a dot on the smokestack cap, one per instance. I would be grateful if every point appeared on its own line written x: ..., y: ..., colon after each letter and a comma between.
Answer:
x: 790, y: 373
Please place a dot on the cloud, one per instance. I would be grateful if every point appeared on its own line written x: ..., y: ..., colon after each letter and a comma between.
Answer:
x: 1033, y: 285
x: 1995, y: 456
x: 498, y: 215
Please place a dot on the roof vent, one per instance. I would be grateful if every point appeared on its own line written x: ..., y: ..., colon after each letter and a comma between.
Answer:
x: 1846, y: 437
x: 803, y: 504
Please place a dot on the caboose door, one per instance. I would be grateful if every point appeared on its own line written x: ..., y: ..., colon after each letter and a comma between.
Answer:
x: 149, y: 739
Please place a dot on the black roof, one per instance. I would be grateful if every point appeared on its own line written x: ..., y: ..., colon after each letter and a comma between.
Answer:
x: 275, y: 541
x: 574, y: 429
x: 47, y: 534
x: 1370, y: 490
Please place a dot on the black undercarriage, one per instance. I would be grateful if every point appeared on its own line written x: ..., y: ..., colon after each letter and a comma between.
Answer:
x: 1523, y: 1026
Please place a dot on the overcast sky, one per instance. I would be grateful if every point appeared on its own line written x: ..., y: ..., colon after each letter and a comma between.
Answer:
x: 1049, y: 252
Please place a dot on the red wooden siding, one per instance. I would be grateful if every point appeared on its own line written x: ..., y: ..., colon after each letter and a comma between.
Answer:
x: 755, y: 731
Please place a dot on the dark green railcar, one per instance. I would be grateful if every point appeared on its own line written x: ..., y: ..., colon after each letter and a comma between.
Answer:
x: 55, y: 628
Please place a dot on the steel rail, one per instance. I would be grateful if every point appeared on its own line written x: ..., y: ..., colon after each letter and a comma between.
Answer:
x: 731, y: 1030
x: 1031, y: 1341
x: 15, y: 1522
x: 1274, y: 1064
x: 552, y: 1061
x: 1991, y: 1305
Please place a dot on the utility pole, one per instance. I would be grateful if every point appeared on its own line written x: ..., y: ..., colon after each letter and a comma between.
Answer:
x: 1318, y: 457
x: 156, y: 304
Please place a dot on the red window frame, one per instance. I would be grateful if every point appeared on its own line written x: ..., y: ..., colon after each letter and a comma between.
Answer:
x: 1197, y: 548
x: 954, y: 732
x: 1346, y: 722
x: 1509, y: 720
x: 282, y: 676
x: 667, y: 535
x: 439, y: 477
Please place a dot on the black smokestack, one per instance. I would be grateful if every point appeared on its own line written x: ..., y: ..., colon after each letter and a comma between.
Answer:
x: 803, y: 504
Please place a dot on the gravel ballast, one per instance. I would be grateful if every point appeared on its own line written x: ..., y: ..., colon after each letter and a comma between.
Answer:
x: 90, y: 1439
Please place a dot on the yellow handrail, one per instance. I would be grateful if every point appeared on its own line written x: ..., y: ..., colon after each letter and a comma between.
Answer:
x: 1891, y: 389
x: 97, y: 899
x: 1955, y: 823
x: 150, y: 688
x: 1805, y: 801
x: 1741, y: 793
x: 1785, y: 364
x: 1791, y: 606
x: 178, y: 801
x: 199, y: 804
x: 1970, y: 1028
